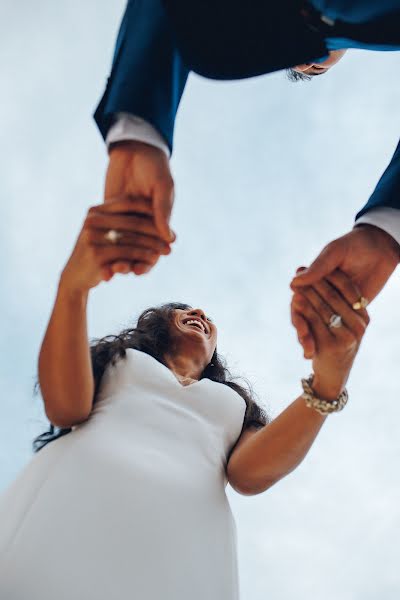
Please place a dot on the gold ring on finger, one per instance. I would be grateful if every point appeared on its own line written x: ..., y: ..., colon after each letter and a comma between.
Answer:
x: 335, y: 321
x: 361, y: 303
x: 112, y: 235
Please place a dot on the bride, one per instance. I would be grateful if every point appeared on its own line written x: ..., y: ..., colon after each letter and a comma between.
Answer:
x: 125, y: 496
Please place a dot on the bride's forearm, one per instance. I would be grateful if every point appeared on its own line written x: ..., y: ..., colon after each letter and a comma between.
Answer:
x: 277, y: 449
x: 65, y: 370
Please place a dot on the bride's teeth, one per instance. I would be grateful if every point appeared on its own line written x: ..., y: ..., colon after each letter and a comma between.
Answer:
x: 195, y: 322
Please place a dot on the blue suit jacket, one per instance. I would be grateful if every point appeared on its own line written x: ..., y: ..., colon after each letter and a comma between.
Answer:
x: 148, y: 77
x: 387, y: 191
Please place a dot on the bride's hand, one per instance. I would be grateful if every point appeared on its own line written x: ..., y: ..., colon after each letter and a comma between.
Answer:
x: 137, y: 249
x: 336, y: 347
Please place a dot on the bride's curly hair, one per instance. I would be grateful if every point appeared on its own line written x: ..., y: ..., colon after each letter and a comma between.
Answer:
x: 152, y: 335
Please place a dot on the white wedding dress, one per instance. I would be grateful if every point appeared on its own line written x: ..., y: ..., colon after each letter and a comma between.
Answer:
x: 130, y: 505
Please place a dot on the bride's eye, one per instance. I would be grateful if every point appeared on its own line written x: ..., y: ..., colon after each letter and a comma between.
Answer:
x: 209, y: 319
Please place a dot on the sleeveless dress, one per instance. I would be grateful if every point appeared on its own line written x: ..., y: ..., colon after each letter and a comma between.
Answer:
x: 131, y: 504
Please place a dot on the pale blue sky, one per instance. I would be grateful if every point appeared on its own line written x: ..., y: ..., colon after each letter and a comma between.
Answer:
x: 267, y: 172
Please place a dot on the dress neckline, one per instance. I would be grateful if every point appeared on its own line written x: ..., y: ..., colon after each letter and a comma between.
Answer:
x: 176, y: 380
x: 170, y: 373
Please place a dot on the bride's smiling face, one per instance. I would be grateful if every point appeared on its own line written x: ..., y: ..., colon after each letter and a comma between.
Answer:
x: 194, y: 327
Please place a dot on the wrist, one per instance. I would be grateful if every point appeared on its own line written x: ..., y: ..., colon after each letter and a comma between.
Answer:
x: 325, y: 406
x: 326, y: 390
x: 383, y: 239
x: 71, y: 292
x: 129, y: 146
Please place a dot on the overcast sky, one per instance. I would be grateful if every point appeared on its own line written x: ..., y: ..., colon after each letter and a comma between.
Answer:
x: 267, y: 172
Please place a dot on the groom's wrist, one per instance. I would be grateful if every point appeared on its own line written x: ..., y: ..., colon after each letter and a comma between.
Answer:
x: 127, y: 127
x: 384, y: 218
x: 383, y: 239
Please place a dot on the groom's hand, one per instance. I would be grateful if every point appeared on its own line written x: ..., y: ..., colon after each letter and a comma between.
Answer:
x: 367, y: 254
x: 139, y: 169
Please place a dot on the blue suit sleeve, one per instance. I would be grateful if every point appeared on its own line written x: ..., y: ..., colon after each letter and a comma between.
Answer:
x: 387, y: 191
x: 148, y: 75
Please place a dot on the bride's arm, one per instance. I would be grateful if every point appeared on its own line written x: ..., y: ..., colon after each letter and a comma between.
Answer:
x: 262, y: 458
x: 65, y: 369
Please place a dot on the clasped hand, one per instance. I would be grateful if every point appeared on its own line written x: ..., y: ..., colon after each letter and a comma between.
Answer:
x: 136, y: 249
x: 327, y: 302
x: 366, y: 254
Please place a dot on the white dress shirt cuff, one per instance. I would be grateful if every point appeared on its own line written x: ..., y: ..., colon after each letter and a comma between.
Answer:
x: 127, y: 127
x: 385, y: 218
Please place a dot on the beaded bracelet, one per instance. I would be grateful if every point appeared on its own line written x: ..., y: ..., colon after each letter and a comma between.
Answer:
x: 324, y: 407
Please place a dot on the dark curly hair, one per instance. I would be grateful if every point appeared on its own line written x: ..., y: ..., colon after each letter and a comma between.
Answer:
x: 152, y: 335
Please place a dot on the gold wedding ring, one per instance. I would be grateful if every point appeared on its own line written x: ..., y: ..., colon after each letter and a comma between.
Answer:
x: 361, y: 303
x: 112, y: 235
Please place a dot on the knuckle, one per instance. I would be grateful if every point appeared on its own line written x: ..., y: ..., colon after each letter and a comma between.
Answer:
x: 93, y: 210
x: 94, y: 220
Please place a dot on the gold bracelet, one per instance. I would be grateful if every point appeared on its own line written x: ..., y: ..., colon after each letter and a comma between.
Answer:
x: 324, y: 407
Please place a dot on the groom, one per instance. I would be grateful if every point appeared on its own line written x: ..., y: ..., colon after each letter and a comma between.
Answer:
x: 159, y: 43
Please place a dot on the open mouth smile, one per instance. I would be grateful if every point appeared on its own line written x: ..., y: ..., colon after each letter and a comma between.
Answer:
x: 196, y: 323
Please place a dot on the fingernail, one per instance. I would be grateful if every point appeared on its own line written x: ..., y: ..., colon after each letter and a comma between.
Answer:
x: 300, y: 269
